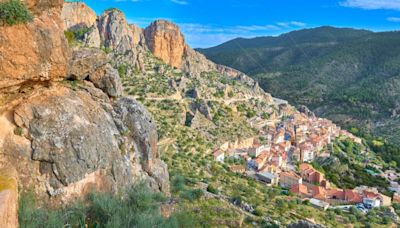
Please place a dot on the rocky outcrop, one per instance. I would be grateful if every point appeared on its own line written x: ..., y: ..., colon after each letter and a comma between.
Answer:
x: 85, y: 62
x: 138, y: 35
x: 134, y: 120
x: 67, y: 138
x: 93, y: 65
x: 92, y: 38
x: 77, y: 15
x: 36, y: 51
x: 195, y: 63
x: 304, y: 224
x: 107, y: 79
x: 166, y: 42
x: 201, y: 106
x: 78, y: 140
x: 115, y: 32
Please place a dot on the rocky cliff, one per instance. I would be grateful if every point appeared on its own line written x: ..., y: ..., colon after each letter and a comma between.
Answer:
x: 66, y: 130
x: 36, y: 51
x: 78, y: 15
x: 166, y: 42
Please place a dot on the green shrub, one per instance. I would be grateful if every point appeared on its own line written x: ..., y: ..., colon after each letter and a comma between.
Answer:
x: 76, y: 34
x: 19, y: 131
x: 139, y: 207
x: 122, y: 70
x: 193, y: 194
x: 70, y: 36
x: 14, y: 12
x: 212, y: 189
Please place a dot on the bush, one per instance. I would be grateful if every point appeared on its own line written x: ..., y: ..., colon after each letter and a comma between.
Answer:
x: 76, y: 34
x: 122, y: 70
x: 14, y: 12
x: 138, y: 208
x: 70, y: 36
x: 192, y: 195
x: 212, y: 189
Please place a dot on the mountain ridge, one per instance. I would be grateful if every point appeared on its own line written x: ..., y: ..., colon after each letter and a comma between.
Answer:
x: 327, y: 76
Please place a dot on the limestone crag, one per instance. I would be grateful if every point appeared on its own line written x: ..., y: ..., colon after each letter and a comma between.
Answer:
x: 36, y: 51
x: 195, y: 63
x: 93, y: 65
x: 64, y: 127
x: 74, y: 133
x: 77, y: 15
x: 115, y: 32
x: 166, y: 42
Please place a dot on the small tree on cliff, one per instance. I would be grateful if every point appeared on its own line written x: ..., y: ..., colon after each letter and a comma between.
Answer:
x: 13, y: 12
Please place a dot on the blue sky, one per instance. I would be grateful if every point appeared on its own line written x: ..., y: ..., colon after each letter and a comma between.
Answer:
x: 208, y: 23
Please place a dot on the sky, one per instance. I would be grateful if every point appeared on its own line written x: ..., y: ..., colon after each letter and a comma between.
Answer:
x: 207, y: 23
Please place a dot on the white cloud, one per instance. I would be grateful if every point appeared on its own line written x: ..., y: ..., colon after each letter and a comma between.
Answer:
x: 180, y: 2
x: 372, y: 4
x: 199, y: 35
x: 393, y: 19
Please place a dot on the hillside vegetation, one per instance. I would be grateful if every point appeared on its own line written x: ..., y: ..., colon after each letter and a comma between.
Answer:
x: 349, y: 76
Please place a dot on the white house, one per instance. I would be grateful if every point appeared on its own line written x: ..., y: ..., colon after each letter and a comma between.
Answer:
x: 219, y: 155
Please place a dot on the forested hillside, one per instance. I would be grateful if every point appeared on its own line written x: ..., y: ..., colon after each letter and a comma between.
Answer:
x: 350, y: 76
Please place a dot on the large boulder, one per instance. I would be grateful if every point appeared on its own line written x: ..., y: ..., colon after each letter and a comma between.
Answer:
x: 77, y: 140
x: 93, y: 65
x: 70, y: 132
x: 85, y: 62
x: 77, y: 15
x: 166, y: 42
x: 37, y: 50
x: 137, y: 122
x: 107, y: 79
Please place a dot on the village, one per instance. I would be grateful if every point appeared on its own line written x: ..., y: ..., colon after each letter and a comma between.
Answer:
x: 283, y: 159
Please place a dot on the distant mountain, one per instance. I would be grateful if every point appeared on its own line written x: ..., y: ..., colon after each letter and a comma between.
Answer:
x: 350, y: 76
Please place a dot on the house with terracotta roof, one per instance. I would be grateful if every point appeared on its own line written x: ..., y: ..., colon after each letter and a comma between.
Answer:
x: 371, y: 200
x: 311, y: 175
x: 301, y: 190
x: 219, y: 155
x: 318, y: 192
x: 289, y: 179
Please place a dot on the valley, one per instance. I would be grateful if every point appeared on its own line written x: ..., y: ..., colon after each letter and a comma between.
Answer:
x: 113, y: 125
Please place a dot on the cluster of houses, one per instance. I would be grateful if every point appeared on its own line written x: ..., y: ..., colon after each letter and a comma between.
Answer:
x: 297, y: 138
x: 315, y: 186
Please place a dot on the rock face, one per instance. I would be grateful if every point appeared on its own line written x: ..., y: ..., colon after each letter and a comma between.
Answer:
x: 85, y: 62
x: 196, y: 63
x: 70, y: 132
x: 93, y: 65
x: 79, y: 138
x: 92, y: 38
x: 115, y: 32
x: 77, y: 15
x: 8, y: 198
x: 135, y: 121
x: 36, y: 51
x: 166, y: 42
x: 66, y: 138
x: 107, y: 79
x: 138, y: 35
